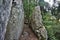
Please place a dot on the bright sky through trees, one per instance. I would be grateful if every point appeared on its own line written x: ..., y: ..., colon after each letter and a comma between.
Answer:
x: 49, y: 1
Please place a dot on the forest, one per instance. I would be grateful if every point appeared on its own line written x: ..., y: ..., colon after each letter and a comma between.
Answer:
x: 29, y: 19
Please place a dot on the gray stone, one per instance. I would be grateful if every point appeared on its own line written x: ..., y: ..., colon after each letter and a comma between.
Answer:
x: 4, y: 16
x: 37, y: 25
x: 16, y: 21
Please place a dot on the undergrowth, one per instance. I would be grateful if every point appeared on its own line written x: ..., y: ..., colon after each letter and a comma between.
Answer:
x: 53, y: 28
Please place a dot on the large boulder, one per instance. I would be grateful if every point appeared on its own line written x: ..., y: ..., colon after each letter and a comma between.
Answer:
x: 5, y: 8
x: 37, y: 25
x: 16, y: 21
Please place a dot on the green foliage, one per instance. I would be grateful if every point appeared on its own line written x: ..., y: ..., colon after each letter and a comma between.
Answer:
x: 28, y: 7
x: 52, y: 26
x: 41, y: 2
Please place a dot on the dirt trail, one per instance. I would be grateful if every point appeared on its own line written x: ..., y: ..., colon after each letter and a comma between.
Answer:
x: 28, y: 34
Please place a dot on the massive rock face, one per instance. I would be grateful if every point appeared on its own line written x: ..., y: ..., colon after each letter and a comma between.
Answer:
x: 16, y: 21
x: 37, y: 25
x: 5, y: 8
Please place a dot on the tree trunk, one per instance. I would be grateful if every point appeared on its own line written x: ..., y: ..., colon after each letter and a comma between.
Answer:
x: 16, y: 22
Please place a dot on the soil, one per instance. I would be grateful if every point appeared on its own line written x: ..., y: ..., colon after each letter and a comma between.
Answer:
x: 28, y: 34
